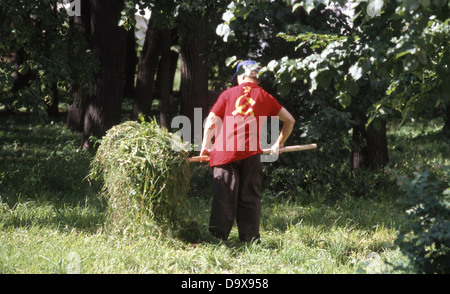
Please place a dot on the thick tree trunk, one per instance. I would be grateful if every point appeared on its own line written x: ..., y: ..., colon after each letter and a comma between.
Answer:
x: 194, y: 73
x: 371, y: 149
x: 104, y: 107
x: 130, y: 64
x: 77, y: 110
x: 20, y: 80
x: 164, y: 72
x: 53, y: 105
x: 147, y: 65
x: 174, y: 56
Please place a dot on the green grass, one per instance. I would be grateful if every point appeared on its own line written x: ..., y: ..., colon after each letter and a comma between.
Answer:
x: 49, y: 212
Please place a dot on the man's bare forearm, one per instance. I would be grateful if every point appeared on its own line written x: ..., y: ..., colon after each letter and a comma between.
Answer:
x: 288, y: 125
x: 208, y: 133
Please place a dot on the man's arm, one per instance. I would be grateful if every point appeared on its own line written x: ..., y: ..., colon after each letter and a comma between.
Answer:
x: 288, y: 124
x: 208, y: 133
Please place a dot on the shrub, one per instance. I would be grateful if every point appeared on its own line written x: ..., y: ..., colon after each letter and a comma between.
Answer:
x: 425, y: 239
x: 145, y: 179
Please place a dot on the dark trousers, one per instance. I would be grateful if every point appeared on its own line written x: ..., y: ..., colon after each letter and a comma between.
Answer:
x: 236, y: 195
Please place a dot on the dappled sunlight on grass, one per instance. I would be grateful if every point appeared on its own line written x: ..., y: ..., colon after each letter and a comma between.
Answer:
x: 48, y: 210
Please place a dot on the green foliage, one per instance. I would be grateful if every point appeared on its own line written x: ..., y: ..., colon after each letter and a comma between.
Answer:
x: 341, y: 71
x: 367, y: 55
x: 56, y: 54
x: 283, y: 182
x: 145, y: 178
x: 322, y: 122
x: 425, y: 235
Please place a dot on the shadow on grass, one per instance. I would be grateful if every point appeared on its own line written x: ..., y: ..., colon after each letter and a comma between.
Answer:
x: 43, y: 178
x: 51, y: 209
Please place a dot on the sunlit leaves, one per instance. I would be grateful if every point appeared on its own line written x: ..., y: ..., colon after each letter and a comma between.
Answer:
x: 224, y: 31
x: 231, y: 61
x: 408, y: 38
x: 356, y: 71
x: 345, y: 99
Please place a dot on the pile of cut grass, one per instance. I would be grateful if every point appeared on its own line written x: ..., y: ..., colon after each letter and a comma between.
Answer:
x: 145, y: 178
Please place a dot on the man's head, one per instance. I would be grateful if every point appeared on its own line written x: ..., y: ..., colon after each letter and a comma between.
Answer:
x: 247, y: 70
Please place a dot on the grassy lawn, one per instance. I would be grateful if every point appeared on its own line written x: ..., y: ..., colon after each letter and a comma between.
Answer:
x: 50, y: 215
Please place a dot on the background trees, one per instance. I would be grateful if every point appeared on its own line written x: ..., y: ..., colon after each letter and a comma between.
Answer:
x: 103, y: 107
x: 344, y: 68
x: 39, y: 53
x: 348, y: 63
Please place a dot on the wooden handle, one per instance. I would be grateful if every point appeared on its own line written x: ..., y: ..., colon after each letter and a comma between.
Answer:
x: 294, y: 148
x: 205, y: 158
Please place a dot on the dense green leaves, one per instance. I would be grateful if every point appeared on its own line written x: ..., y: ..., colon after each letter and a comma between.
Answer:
x: 346, y: 66
x: 426, y: 238
x: 55, y: 55
x: 402, y: 36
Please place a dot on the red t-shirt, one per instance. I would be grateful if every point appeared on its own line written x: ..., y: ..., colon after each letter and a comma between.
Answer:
x: 243, y: 111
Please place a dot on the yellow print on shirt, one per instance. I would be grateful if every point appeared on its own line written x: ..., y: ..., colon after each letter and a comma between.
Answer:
x: 247, y: 103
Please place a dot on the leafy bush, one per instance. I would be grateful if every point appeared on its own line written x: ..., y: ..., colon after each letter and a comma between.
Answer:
x: 426, y: 237
x: 145, y: 178
x: 317, y: 121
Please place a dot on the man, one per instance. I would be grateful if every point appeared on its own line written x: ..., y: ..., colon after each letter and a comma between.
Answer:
x: 236, y: 121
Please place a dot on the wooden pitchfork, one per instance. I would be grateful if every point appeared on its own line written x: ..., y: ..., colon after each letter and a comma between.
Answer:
x: 205, y: 158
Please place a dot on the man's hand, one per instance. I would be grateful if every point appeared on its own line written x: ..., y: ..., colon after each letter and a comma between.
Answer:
x: 275, y: 149
x: 205, y: 152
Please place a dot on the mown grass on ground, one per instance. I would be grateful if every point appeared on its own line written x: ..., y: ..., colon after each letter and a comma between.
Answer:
x: 50, y: 212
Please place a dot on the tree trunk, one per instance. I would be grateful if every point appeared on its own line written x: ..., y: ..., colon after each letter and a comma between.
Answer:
x: 20, y: 80
x: 174, y: 56
x: 371, y: 149
x: 164, y: 70
x: 147, y: 65
x: 77, y: 110
x: 108, y: 42
x: 130, y: 64
x: 52, y: 106
x: 194, y: 73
